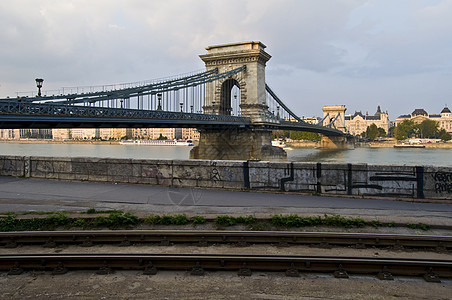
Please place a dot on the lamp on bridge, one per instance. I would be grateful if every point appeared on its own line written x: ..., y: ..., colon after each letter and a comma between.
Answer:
x: 39, y: 82
x: 159, y: 98
x: 181, y: 106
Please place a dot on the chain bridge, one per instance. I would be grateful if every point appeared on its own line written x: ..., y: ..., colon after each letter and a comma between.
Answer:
x: 229, y: 103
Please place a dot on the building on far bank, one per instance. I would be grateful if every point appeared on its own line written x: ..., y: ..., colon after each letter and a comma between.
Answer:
x: 190, y: 134
x: 63, y: 134
x: 444, y: 119
x: 311, y: 120
x: 357, y: 123
x: 9, y: 134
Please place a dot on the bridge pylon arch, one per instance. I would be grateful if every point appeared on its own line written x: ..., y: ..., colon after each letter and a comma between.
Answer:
x: 225, y: 103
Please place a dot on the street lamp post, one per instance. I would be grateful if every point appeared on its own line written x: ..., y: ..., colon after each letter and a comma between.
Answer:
x: 159, y: 98
x: 39, y: 82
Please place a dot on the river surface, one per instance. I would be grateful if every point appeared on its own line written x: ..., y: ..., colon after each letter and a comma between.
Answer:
x: 380, y: 156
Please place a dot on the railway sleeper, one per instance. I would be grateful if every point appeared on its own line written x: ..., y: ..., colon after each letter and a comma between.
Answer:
x: 340, y: 272
x: 60, y: 269
x: 150, y: 269
x: 12, y: 243
x: 197, y: 270
x: 244, y: 270
x: 384, y: 274
x: 431, y: 276
x: 105, y: 269
x: 292, y: 271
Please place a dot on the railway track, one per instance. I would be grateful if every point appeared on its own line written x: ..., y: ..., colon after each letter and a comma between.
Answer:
x: 239, y: 238
x: 244, y: 265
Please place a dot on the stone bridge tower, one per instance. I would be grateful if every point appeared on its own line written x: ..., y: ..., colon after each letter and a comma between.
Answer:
x: 237, y: 144
x: 336, y: 113
x: 251, y: 82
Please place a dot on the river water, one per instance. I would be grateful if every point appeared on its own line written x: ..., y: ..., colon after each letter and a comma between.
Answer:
x: 379, y: 156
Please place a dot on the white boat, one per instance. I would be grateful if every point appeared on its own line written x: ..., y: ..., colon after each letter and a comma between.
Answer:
x: 403, y: 145
x: 156, y: 142
x: 278, y: 143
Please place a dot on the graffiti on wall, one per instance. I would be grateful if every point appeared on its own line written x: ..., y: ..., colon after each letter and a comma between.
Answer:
x: 443, y: 182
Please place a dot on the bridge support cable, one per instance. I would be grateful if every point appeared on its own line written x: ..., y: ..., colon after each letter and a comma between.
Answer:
x: 127, y: 93
x: 288, y: 120
x: 283, y: 108
x: 332, y: 122
x: 183, y: 95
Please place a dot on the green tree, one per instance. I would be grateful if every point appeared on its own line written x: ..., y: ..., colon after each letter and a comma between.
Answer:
x: 381, y: 132
x: 303, y: 135
x: 372, y: 131
x: 444, y: 135
x: 403, y: 130
x: 428, y: 129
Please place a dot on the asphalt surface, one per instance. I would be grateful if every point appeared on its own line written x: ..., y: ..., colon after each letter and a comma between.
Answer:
x: 25, y: 195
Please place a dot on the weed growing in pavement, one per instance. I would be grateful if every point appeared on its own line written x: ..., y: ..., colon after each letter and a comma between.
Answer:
x: 118, y: 219
x: 295, y: 221
x: 375, y: 223
x: 231, y: 221
x: 180, y: 219
x: 333, y: 220
x: 261, y: 225
x: 420, y: 226
x: 115, y: 220
x: 340, y: 221
x: 197, y: 220
x: 10, y: 223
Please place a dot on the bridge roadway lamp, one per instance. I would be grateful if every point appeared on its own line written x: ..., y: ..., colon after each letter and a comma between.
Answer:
x: 159, y: 98
x: 39, y: 82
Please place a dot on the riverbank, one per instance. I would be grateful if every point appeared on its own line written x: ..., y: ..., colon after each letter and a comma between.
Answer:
x: 391, y: 144
x: 293, y: 144
x: 385, y: 144
x: 45, y: 141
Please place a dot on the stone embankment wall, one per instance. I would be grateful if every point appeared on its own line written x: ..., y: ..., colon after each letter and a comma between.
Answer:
x: 319, y: 178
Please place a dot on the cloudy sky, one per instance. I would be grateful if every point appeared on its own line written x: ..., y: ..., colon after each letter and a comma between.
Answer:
x: 392, y: 53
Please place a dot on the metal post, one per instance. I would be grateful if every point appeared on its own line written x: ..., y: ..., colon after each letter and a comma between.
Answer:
x: 159, y: 97
x: 39, y: 82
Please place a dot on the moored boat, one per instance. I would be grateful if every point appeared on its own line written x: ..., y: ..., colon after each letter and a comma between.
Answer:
x: 409, y: 146
x: 279, y: 143
x: 156, y: 142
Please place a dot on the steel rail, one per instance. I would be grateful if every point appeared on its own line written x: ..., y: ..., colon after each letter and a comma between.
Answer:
x: 384, y: 268
x: 241, y: 238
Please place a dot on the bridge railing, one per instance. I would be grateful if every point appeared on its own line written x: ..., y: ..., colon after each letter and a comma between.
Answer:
x: 40, y: 109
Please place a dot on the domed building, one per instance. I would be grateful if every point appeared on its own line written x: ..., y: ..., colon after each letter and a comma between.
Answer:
x: 358, y: 122
x: 444, y: 119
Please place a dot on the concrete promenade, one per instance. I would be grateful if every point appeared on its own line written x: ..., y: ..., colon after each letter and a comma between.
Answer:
x: 28, y: 194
